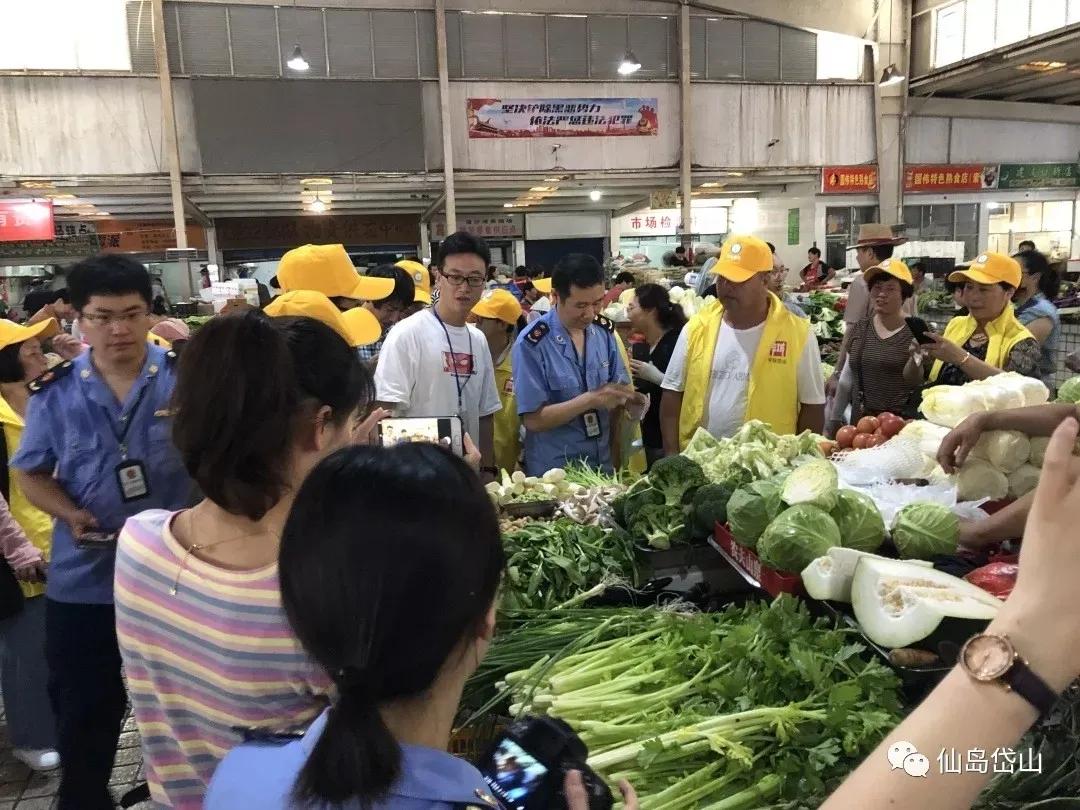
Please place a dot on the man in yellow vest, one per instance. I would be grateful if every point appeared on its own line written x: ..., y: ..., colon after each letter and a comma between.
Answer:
x: 743, y: 357
x: 498, y: 316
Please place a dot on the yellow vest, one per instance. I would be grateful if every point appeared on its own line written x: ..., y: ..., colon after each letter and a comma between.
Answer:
x: 772, y: 392
x: 507, y: 426
x: 1005, y: 331
x: 36, y: 524
x: 633, y: 451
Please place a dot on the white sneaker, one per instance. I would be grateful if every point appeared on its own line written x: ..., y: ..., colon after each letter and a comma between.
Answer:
x: 38, y: 759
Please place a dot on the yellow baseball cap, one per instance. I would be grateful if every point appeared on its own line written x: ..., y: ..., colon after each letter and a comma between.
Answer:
x: 325, y: 269
x: 369, y: 288
x: 742, y: 258
x: 543, y: 285
x: 990, y: 268
x: 421, y: 278
x: 498, y: 304
x: 12, y: 333
x: 892, y: 267
x: 359, y: 329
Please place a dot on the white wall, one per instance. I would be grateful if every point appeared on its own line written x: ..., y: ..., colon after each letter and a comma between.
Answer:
x: 90, y: 126
x: 574, y: 225
x: 969, y: 140
x: 773, y: 222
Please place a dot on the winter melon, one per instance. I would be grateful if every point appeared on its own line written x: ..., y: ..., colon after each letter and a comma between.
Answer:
x: 829, y: 577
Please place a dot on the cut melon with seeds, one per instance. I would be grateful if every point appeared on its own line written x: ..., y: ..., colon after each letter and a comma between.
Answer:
x: 898, y: 604
x: 829, y: 576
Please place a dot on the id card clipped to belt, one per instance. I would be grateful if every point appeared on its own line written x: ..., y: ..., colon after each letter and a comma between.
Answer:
x: 132, y: 480
x: 592, y: 424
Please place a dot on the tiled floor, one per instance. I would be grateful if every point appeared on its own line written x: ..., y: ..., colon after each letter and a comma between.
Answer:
x: 22, y: 789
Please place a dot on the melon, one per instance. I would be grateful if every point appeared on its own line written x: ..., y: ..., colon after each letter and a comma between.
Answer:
x: 898, y: 604
x: 829, y: 577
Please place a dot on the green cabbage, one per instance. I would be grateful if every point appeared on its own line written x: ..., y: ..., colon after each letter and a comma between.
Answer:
x: 922, y: 531
x: 814, y: 482
x: 860, y: 523
x: 797, y: 537
x: 1069, y: 390
x: 750, y: 510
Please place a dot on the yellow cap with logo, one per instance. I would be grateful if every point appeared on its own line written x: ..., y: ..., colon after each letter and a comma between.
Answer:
x: 327, y: 269
x: 543, y: 285
x: 421, y: 278
x: 358, y: 329
x: 498, y: 304
x: 990, y: 268
x: 891, y: 267
x: 742, y: 258
x: 12, y: 333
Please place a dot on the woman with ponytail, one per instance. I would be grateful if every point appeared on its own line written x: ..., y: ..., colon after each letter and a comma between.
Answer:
x: 206, y: 645
x: 653, y: 315
x: 398, y: 603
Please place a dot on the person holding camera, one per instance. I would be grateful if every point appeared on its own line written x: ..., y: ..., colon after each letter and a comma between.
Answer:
x: 399, y: 662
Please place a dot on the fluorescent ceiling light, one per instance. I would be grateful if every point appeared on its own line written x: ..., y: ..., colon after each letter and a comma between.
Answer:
x: 595, y: 195
x: 629, y: 64
x: 318, y: 206
x: 297, y: 61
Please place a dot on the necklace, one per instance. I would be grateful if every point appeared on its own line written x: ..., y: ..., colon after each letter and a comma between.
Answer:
x: 203, y: 547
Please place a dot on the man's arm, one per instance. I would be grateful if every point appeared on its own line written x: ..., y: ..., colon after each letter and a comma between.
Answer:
x: 811, y: 417
x: 1041, y: 329
x: 45, y: 492
x: 1036, y: 420
x: 487, y: 441
x: 810, y: 387
x: 670, y: 408
x: 554, y: 415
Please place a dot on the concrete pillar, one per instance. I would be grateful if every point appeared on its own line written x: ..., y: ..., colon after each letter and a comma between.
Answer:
x: 444, y: 115
x: 425, y: 240
x: 685, y: 133
x: 890, y: 107
x: 519, y: 252
x: 213, y: 254
x: 614, y: 236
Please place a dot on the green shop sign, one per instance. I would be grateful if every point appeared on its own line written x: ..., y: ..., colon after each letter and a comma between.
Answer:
x: 1039, y: 175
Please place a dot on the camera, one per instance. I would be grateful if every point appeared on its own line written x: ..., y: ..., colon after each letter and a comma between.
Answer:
x: 527, y: 766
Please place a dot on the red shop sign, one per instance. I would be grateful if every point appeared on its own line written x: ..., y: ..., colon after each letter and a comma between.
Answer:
x: 945, y: 177
x: 20, y: 220
x: 849, y: 179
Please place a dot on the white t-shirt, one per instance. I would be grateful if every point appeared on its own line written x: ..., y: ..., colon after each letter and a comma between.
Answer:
x: 730, y: 378
x: 416, y: 371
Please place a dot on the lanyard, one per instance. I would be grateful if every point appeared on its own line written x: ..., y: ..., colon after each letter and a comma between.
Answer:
x: 126, y: 421
x: 582, y: 363
x: 459, y: 383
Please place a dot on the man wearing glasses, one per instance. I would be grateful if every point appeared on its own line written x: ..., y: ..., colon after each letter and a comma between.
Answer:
x: 434, y: 363
x: 96, y: 450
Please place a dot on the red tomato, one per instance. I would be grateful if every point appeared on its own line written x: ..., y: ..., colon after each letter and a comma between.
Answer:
x: 891, y: 424
x: 873, y: 440
x: 844, y: 435
x: 879, y: 434
x: 861, y: 441
x: 868, y: 424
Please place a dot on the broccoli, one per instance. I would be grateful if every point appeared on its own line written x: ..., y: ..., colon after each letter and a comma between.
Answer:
x: 618, y: 508
x: 636, y: 499
x: 660, y: 525
x: 677, y: 477
x: 710, y: 507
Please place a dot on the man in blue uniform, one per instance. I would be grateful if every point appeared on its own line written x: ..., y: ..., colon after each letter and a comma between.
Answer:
x: 570, y: 380
x: 96, y: 450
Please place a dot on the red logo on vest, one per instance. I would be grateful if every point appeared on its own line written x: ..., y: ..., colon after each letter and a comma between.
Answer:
x: 779, y: 349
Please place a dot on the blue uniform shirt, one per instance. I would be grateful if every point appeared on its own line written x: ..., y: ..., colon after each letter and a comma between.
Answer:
x: 72, y: 425
x: 261, y: 776
x: 547, y: 371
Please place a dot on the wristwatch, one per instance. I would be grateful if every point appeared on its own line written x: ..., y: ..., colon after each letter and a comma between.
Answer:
x: 989, y: 657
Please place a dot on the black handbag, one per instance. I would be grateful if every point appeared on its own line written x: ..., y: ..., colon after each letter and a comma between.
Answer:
x: 11, y: 595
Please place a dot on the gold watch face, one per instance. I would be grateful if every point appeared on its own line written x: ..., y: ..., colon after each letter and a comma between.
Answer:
x: 987, y: 657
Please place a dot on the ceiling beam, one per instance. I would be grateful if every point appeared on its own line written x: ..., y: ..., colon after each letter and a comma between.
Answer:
x: 631, y: 208
x: 196, y: 213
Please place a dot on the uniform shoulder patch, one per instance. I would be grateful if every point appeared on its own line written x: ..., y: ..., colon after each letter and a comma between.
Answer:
x: 606, y: 323
x: 171, y: 357
x: 537, y: 333
x: 49, y: 377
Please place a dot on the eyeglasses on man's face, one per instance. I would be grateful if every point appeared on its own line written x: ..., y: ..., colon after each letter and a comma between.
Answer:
x: 457, y: 280
x: 109, y: 318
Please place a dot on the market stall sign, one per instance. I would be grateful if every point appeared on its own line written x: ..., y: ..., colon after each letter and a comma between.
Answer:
x: 508, y: 226
x: 243, y: 233
x: 667, y: 222
x: 561, y: 117
x: 793, y: 226
x: 144, y: 236
x: 1038, y: 175
x: 849, y: 179
x: 939, y: 177
x: 22, y: 220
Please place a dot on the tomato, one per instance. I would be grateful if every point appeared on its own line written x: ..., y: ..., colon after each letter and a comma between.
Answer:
x: 868, y: 424
x: 879, y: 434
x: 844, y: 435
x: 861, y: 441
x: 891, y: 424
x: 874, y: 440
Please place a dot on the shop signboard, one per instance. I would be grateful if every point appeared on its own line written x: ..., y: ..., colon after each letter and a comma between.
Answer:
x: 488, y: 226
x: 74, y: 239
x: 938, y: 177
x: 793, y: 226
x: 667, y: 222
x: 1039, y: 175
x: 561, y: 117
x: 849, y: 179
x: 254, y: 233
x: 22, y: 220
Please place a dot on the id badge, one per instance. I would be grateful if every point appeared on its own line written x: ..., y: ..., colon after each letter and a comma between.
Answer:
x: 132, y: 480
x: 592, y: 424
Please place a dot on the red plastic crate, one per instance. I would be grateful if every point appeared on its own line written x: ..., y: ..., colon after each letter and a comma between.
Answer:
x: 747, y: 563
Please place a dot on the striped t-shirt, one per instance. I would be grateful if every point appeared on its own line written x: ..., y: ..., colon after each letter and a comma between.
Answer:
x: 216, y: 655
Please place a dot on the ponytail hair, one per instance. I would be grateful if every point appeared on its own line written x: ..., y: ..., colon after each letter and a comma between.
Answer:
x: 655, y: 298
x: 1032, y: 261
x: 389, y: 565
x: 242, y: 382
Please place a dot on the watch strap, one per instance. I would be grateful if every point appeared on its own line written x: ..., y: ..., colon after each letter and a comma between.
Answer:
x: 1022, y: 679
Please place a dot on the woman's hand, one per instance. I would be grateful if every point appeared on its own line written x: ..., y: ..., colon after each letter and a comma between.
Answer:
x: 67, y: 346
x: 944, y: 350
x: 366, y: 432
x: 472, y: 454
x: 646, y: 371
x: 959, y: 442
x: 578, y: 799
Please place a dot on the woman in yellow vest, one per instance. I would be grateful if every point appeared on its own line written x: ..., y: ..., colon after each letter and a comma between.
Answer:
x: 498, y: 316
x: 989, y: 339
x: 24, y: 674
x: 742, y: 357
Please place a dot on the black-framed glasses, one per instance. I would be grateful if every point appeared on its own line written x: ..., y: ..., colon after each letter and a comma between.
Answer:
x: 456, y: 280
x: 107, y: 319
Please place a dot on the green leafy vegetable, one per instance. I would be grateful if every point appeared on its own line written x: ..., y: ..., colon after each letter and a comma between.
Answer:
x: 710, y: 507
x: 815, y: 482
x: 677, y: 478
x: 860, y: 523
x: 1069, y: 390
x: 924, y: 530
x: 751, y: 509
x: 797, y: 537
